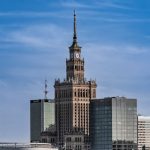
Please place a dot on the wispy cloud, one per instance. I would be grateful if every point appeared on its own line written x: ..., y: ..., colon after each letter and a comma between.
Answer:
x: 112, y: 17
x: 95, y: 4
x: 127, y: 20
x: 39, y: 36
x: 116, y: 70
x: 120, y: 49
x: 33, y: 14
x: 28, y: 14
x: 74, y: 4
x: 95, y: 10
x: 112, y: 4
x: 91, y: 14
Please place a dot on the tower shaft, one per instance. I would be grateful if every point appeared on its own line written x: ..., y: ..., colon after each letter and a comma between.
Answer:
x: 72, y: 96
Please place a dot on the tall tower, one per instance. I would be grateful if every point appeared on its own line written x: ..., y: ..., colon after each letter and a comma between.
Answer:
x: 72, y: 96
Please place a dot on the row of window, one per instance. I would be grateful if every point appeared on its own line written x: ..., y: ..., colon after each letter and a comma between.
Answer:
x: 78, y: 106
x: 77, y: 147
x: 75, y: 93
x: 77, y: 68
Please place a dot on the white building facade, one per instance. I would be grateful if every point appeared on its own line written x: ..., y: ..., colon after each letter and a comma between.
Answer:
x: 144, y: 132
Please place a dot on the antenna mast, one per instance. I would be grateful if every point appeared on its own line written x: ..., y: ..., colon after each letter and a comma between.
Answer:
x: 45, y: 91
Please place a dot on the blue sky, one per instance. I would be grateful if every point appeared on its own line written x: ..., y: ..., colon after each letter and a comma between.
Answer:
x: 34, y: 40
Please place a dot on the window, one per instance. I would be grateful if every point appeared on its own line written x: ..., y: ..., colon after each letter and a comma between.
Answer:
x: 68, y: 139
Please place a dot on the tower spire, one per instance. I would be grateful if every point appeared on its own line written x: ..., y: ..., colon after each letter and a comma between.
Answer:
x: 75, y: 28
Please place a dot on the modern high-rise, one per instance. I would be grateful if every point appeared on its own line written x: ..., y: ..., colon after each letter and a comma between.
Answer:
x: 144, y: 132
x: 73, y: 94
x: 113, y: 124
x: 42, y: 116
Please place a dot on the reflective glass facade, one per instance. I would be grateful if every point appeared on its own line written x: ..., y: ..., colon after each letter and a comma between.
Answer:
x: 42, y: 115
x: 113, y: 124
x: 48, y: 114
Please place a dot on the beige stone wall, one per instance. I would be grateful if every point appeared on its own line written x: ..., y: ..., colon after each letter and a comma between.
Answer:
x: 72, y: 107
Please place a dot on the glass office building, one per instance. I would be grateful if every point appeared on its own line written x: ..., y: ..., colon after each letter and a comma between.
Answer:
x: 42, y: 116
x: 113, y: 124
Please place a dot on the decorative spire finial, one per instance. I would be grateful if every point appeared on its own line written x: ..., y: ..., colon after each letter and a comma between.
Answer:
x: 45, y: 91
x: 75, y: 32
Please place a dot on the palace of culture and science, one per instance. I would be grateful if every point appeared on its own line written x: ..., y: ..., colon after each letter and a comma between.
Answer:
x: 72, y: 96
x: 76, y: 120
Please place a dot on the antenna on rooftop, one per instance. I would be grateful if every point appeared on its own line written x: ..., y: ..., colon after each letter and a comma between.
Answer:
x: 45, y: 91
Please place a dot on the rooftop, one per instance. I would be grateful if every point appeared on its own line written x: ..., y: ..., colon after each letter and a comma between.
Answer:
x: 27, y: 146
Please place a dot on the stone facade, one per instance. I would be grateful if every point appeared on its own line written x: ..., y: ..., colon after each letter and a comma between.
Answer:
x: 72, y: 96
x: 75, y: 140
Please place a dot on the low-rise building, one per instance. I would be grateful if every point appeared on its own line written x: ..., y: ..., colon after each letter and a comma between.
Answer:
x: 144, y: 132
x: 49, y: 137
x: 30, y: 146
x: 75, y: 141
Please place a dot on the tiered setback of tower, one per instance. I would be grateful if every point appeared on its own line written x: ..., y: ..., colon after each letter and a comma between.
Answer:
x: 72, y: 96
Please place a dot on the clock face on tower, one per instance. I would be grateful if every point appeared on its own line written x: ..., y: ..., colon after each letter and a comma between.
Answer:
x: 77, y: 55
